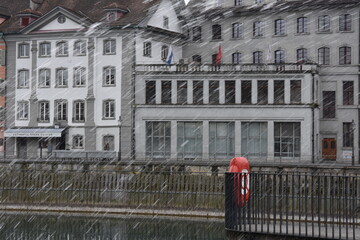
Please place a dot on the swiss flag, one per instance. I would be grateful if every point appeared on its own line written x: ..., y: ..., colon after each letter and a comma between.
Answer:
x: 219, y: 56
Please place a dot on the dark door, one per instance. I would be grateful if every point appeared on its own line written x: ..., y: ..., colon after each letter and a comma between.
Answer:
x: 329, y: 148
x: 21, y: 148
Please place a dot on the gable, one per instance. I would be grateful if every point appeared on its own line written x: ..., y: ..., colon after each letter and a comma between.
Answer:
x: 165, y: 9
x: 60, y: 24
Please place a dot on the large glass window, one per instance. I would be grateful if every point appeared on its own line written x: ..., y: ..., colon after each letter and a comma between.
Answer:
x: 301, y: 55
x: 295, y: 91
x: 79, y: 111
x: 246, y: 92
x: 45, y: 49
x: 258, y: 57
x: 78, y: 141
x: 23, y: 78
x: 345, y: 55
x: 279, y: 27
x: 198, y: 92
x: 22, y: 110
x: 108, y: 143
x: 44, y: 111
x: 324, y: 23
x: 262, y: 92
x: 150, y: 93
x: 158, y: 139
x: 279, y: 56
x: 80, y: 48
x: 79, y: 76
x: 258, y: 29
x: 302, y: 23
x: 238, y: 2
x: 62, y: 49
x: 216, y: 32
x: 214, y: 92
x: 345, y: 22
x: 164, y: 52
x: 61, y: 77
x: 279, y: 91
x: 166, y: 92
x: 23, y: 50
x: 287, y: 139
x: 236, y: 58
x: 230, y: 92
x: 109, y: 76
x: 348, y: 135
x: 196, y: 33
x: 237, y: 30
x: 253, y: 139
x: 324, y: 56
x: 61, y: 110
x: 182, y: 92
x: 147, y: 49
x: 329, y: 104
x: 109, y: 46
x: 44, y: 77
x: 189, y: 143
x: 348, y: 92
x: 109, y: 109
x: 222, y: 140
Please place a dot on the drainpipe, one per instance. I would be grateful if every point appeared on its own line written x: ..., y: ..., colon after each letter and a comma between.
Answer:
x: 133, y: 106
x: 313, y: 117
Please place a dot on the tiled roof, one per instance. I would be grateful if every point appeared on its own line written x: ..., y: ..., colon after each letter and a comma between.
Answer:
x: 93, y: 9
x: 30, y: 11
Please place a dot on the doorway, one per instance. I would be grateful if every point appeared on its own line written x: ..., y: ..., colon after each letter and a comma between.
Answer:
x: 21, y: 148
x: 329, y: 149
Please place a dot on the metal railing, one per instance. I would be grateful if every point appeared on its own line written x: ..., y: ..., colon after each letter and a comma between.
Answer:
x: 294, y: 204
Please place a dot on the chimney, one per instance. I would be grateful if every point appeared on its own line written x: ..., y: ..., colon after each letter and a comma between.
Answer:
x: 35, y: 4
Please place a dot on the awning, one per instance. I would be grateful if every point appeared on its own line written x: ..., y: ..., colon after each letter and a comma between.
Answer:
x: 34, y: 132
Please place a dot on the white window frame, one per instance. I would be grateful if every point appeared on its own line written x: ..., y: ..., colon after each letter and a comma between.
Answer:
x: 22, y: 110
x: 44, y: 111
x: 80, y: 48
x: 78, y: 141
x: 45, y: 49
x: 324, y: 23
x: 44, y: 78
x: 109, y: 109
x: 61, y: 107
x: 24, y: 50
x: 79, y: 111
x: 23, y: 78
x: 62, y: 49
x: 79, y: 77
x: 109, y: 76
x: 62, y: 77
x: 109, y: 46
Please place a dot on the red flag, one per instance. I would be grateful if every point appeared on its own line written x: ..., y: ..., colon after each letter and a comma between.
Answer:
x: 219, y: 56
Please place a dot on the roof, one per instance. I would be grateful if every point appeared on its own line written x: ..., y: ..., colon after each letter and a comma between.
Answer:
x: 92, y: 9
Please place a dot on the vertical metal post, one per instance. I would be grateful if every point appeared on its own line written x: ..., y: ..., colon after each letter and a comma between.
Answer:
x: 352, y: 142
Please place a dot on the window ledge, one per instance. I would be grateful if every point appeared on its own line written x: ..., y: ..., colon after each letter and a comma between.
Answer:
x: 40, y: 87
x: 79, y: 86
x: 235, y: 39
x: 78, y: 121
x: 350, y: 31
x: 216, y: 40
x: 258, y: 37
x: 62, y: 55
x: 109, y: 85
x: 324, y: 32
x: 279, y: 35
x: 105, y: 118
x: 23, y: 87
x: 22, y: 119
x: 47, y: 56
x: 109, y: 54
x: 329, y: 119
x: 79, y: 55
x: 300, y: 34
x: 61, y: 86
x: 24, y: 57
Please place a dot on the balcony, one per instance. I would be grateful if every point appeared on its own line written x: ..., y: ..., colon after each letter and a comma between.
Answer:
x: 227, y: 68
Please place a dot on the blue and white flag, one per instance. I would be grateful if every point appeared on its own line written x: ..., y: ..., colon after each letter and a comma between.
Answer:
x: 170, y: 56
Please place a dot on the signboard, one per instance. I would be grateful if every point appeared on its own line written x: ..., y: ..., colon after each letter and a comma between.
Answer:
x: 34, y: 134
x: 347, y: 154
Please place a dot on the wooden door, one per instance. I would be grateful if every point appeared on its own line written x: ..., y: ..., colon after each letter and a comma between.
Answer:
x: 329, y: 148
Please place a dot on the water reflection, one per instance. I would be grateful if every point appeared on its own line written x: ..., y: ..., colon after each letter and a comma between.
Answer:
x: 73, y: 227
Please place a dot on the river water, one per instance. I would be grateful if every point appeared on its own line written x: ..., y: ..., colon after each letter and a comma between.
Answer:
x: 64, y: 227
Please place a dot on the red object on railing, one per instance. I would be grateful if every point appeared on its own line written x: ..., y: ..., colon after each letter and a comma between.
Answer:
x: 241, y: 166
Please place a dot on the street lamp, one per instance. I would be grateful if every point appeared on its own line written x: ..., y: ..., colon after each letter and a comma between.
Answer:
x: 352, y: 144
x: 120, y: 123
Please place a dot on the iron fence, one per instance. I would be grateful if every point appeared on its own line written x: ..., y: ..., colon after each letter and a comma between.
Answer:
x: 294, y: 204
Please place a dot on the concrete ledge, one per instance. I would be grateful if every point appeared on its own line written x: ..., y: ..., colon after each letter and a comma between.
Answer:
x: 111, y: 211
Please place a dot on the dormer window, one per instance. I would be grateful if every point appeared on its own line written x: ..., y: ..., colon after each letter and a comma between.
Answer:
x: 165, y: 22
x: 28, y: 16
x: 114, y: 11
x: 111, y: 16
x: 24, y: 21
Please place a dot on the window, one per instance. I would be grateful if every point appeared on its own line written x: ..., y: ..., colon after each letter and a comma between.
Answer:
x: 79, y: 111
x: 302, y: 23
x: 189, y: 142
x: 44, y: 78
x: 295, y: 91
x: 109, y: 47
x: 166, y: 92
x: 164, y: 52
x: 45, y: 49
x: 279, y: 57
x: 2, y: 57
x: 44, y: 111
x: 80, y: 48
x: 259, y: 1
x: 222, y: 140
x: 238, y: 2
x: 329, y: 104
x: 79, y: 77
x: 61, y: 19
x: 109, y: 109
x: 279, y: 27
x: 62, y: 49
x: 109, y: 76
x: 213, y: 92
x: 345, y: 22
x: 150, y: 93
x: 165, y: 22
x: 182, y: 92
x: 262, y: 91
x: 279, y: 91
x: 108, y: 143
x: 324, y: 23
x: 24, y: 21
x: 111, y: 16
x: 196, y: 59
x: 324, y: 56
x: 301, y: 55
x: 246, y: 92
x: 253, y: 139
x: 61, y: 110
x: 237, y: 30
x: 196, y: 33
x: 348, y: 135
x: 23, y: 78
x: 213, y: 58
x: 147, y: 49
x: 258, y: 29
x: 229, y: 92
x: 348, y: 92
x: 236, y: 58
x: 345, y: 55
x: 258, y: 57
x: 23, y: 50
x: 78, y: 142
x: 22, y: 110
x: 158, y: 139
x: 216, y: 32
x: 198, y: 87
x: 287, y: 139
x: 61, y: 77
